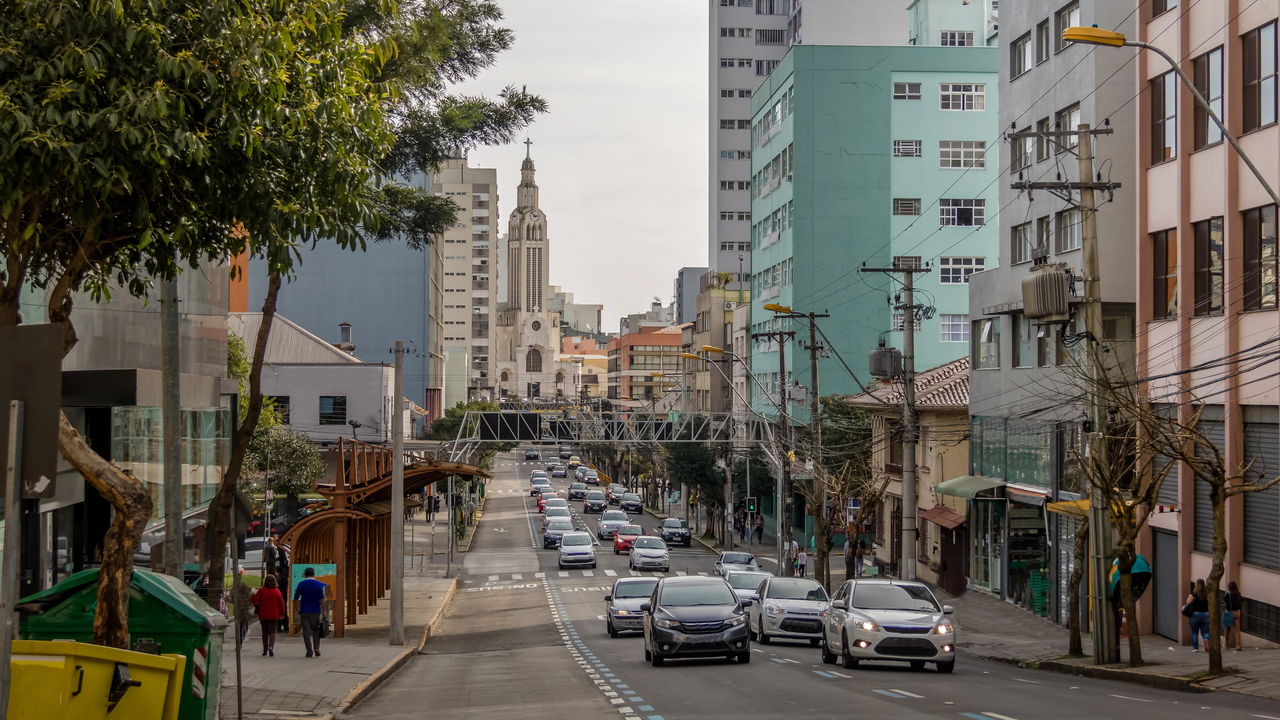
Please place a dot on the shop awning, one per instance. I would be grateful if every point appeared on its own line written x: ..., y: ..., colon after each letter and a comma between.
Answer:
x: 943, y: 517
x: 1026, y: 495
x: 967, y: 486
x: 1079, y: 508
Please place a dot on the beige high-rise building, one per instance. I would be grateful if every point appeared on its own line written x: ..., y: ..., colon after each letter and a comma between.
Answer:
x: 469, y: 258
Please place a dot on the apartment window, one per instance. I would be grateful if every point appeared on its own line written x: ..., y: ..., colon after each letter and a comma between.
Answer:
x: 771, y: 37
x: 731, y: 32
x: 1043, y: 231
x: 1207, y: 73
x: 1164, y: 275
x: 1020, y: 249
x: 957, y: 38
x: 1260, y: 258
x: 897, y: 323
x: 1162, y: 6
x: 1164, y: 117
x: 962, y: 154
x: 333, y: 409
x: 772, y: 7
x: 1068, y: 16
x: 906, y: 91
x: 1042, y: 140
x: 962, y: 96
x: 1069, y: 231
x: 1020, y: 57
x: 1259, y: 75
x: 985, y: 343
x: 953, y: 328
x: 1020, y: 149
x: 962, y: 212
x: 906, y: 206
x: 1024, y: 342
x: 907, y: 148
x: 1067, y: 119
x: 1208, y: 271
x: 956, y: 270
x: 764, y: 67
x: 735, y: 184
x: 1042, y: 42
x: 281, y: 405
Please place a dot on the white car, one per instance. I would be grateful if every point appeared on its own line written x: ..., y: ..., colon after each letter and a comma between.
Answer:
x: 649, y: 553
x: 577, y: 549
x: 788, y: 608
x: 610, y: 521
x: 557, y: 502
x: 734, y: 561
x: 745, y: 583
x: 556, y: 513
x: 888, y: 620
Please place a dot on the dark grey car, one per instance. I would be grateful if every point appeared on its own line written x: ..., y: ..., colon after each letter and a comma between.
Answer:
x: 695, y: 617
x: 622, y: 604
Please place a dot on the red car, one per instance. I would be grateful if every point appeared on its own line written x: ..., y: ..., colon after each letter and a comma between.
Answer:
x: 624, y: 536
x: 543, y: 498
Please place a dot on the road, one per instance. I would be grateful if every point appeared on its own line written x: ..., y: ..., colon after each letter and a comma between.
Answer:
x: 526, y: 640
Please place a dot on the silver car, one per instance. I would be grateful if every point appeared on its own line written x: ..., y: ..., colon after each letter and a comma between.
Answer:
x: 789, y: 608
x: 622, y: 604
x: 888, y: 620
x: 649, y: 553
x: 610, y: 520
x: 554, y: 513
x: 746, y: 582
x: 734, y: 561
x: 577, y: 549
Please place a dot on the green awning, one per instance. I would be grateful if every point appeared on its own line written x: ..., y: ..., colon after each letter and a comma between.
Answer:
x: 967, y: 486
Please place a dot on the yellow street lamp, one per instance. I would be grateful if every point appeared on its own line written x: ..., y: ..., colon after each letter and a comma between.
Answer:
x: 690, y: 356
x: 713, y: 349
x: 1110, y: 38
x: 775, y: 307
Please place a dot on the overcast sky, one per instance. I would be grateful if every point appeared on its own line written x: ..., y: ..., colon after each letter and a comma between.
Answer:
x: 622, y: 154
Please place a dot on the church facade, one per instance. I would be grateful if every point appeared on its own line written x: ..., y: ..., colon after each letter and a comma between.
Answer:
x: 529, y: 365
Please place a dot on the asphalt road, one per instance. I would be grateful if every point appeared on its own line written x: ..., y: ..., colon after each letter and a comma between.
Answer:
x: 526, y: 640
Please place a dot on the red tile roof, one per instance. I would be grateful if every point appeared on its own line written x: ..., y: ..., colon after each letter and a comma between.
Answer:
x: 942, y: 387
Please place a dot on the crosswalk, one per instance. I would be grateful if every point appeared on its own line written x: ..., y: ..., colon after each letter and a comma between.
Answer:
x: 568, y: 574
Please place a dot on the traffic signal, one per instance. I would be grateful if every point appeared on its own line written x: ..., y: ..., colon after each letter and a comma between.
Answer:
x: 751, y: 505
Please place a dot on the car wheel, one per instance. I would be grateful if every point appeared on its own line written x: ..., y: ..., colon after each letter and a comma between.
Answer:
x: 828, y: 657
x: 616, y: 551
x: 744, y: 657
x: 613, y: 632
x: 655, y: 659
x: 947, y: 667
x: 764, y: 639
x: 560, y: 565
x: 846, y: 660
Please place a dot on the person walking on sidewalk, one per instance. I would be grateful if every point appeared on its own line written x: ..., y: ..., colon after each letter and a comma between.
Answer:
x: 269, y: 604
x: 859, y: 555
x: 759, y: 530
x: 1232, y: 605
x: 802, y: 560
x: 310, y: 601
x: 1197, y: 611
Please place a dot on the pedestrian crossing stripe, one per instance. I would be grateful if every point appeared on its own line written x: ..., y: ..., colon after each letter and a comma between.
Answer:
x: 611, y: 573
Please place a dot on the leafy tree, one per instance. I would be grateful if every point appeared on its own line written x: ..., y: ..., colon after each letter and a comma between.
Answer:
x: 283, y: 461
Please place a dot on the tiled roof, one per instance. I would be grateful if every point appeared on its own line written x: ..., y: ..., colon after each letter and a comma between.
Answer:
x: 945, y: 386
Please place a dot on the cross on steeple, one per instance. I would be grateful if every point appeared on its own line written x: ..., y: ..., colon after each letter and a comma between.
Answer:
x: 528, y: 147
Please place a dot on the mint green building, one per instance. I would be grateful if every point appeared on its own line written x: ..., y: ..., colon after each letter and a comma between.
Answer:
x: 863, y: 155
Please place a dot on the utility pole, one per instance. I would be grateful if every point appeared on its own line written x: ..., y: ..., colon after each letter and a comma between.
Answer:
x: 1105, y: 644
x: 171, y: 409
x: 819, y: 491
x: 397, y: 499
x: 783, y: 489
x: 910, y: 429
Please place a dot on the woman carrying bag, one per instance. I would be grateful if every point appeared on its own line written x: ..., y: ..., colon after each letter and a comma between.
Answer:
x: 270, y: 607
x: 1197, y: 611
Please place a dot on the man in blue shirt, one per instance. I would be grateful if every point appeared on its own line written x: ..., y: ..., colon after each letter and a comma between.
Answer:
x: 310, y: 607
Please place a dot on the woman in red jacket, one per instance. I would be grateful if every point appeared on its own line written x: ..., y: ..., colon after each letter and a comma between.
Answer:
x: 269, y: 604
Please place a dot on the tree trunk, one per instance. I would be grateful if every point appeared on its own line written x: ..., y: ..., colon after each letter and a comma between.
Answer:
x: 1130, y: 609
x: 1080, y: 556
x: 132, y: 504
x: 220, y: 508
x: 821, y: 544
x: 1218, y: 494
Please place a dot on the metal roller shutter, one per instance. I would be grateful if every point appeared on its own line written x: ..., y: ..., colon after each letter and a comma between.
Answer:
x: 1262, y: 509
x: 1169, y: 488
x: 1213, y: 432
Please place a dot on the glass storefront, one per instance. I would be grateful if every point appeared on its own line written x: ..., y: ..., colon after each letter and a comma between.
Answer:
x: 986, y: 561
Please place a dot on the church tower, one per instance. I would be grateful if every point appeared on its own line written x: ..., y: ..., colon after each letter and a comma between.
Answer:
x: 527, y: 282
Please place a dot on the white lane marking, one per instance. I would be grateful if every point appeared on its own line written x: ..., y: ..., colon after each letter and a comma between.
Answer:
x: 633, y: 573
x: 681, y: 573
x: 997, y: 716
x: 517, y: 576
x: 587, y: 573
x: 1033, y: 682
x: 493, y: 578
x: 908, y: 694
x: 840, y: 674
x: 611, y: 573
x: 1126, y: 697
x: 1266, y: 717
x: 564, y: 574
x: 540, y: 575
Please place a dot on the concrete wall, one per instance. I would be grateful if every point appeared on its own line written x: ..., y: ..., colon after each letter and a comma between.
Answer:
x: 367, y: 387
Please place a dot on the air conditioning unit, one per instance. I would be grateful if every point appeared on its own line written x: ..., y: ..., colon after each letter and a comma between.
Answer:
x: 729, y: 305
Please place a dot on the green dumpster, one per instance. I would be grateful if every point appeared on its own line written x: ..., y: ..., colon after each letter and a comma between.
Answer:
x: 165, y: 616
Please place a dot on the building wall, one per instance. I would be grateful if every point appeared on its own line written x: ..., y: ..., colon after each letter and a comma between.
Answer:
x: 366, y: 387
x: 848, y: 22
x: 685, y: 292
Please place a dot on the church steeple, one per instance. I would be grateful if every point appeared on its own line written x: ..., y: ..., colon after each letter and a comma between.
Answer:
x: 527, y: 192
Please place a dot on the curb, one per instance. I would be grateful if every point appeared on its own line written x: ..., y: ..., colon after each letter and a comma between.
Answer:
x: 371, y: 683
x: 1154, y: 680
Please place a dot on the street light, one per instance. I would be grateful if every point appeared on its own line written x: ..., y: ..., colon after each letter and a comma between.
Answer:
x: 712, y: 349
x: 1110, y: 38
x: 775, y: 307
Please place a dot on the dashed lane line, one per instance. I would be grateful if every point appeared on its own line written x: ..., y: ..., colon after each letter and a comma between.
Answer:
x: 1128, y: 697
x: 908, y: 694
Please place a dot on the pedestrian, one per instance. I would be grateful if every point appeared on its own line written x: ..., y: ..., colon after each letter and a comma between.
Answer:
x: 310, y: 610
x: 858, y: 556
x: 283, y: 561
x: 240, y: 596
x: 269, y: 604
x: 271, y: 554
x: 759, y: 530
x: 1232, y: 605
x: 848, y: 558
x: 742, y: 529
x: 1197, y: 611
x: 802, y: 559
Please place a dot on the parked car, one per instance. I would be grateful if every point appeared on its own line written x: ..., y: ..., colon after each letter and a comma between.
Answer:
x: 649, y: 552
x: 538, y: 485
x: 624, y: 536
x: 532, y: 455
x: 554, y: 531
x: 695, y: 616
x: 888, y: 620
x: 745, y: 583
x: 556, y: 513
x: 594, y: 502
x: 577, y: 491
x: 788, y: 608
x: 631, y: 503
x: 622, y: 604
x: 559, y: 471
x: 577, y: 549
x: 734, y: 561
x: 609, y: 522
x: 675, y: 531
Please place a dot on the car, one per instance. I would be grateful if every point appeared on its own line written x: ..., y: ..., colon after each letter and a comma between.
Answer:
x: 734, y: 561
x: 609, y: 522
x: 555, y: 502
x: 614, y: 493
x: 577, y: 549
x: 559, y: 471
x: 594, y: 502
x: 566, y: 452
x: 532, y: 455
x: 675, y: 531
x: 591, y: 475
x: 554, y: 531
x: 544, y: 497
x: 788, y: 608
x: 624, y: 536
x: 574, y: 461
x: 577, y: 491
x: 631, y: 503
x: 539, y: 474
x: 875, y: 619
x: 579, y: 472
x: 746, y: 582
x: 694, y: 616
x: 539, y: 485
x: 622, y: 604
x: 553, y: 465
x: 556, y: 513
x: 649, y: 552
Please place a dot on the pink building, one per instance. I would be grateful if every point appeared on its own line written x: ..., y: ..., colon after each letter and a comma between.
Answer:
x: 1208, y: 301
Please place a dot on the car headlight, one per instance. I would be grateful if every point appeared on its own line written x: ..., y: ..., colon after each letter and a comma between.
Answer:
x: 944, y: 628
x: 867, y: 625
x: 622, y: 612
x: 664, y: 623
x: 666, y: 555
x: 773, y: 610
x: 735, y: 621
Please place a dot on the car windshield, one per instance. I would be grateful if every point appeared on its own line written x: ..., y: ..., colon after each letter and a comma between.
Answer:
x: 595, y: 495
x: 630, y: 496
x: 746, y: 581
x: 674, y: 523
x: 578, y: 486
x: 542, y: 481
x: 796, y: 589
x: 708, y: 593
x: 630, y: 530
x: 651, y: 543
x: 577, y: 540
x: 738, y: 558
x: 885, y: 596
x: 557, y: 502
x: 635, y: 589
x: 560, y: 525
x: 609, y: 515
x: 558, y: 511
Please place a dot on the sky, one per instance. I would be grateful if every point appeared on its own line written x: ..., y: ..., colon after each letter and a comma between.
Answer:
x: 622, y: 154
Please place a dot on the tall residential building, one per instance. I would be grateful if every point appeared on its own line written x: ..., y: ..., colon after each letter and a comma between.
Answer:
x: 685, y: 291
x: 469, y: 254
x: 1021, y: 437
x: 1207, y: 294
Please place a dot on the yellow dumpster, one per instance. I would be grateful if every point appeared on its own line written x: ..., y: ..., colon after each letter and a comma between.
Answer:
x: 66, y: 679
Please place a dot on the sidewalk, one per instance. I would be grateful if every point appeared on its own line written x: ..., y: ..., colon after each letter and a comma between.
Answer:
x: 295, y: 686
x: 993, y: 629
